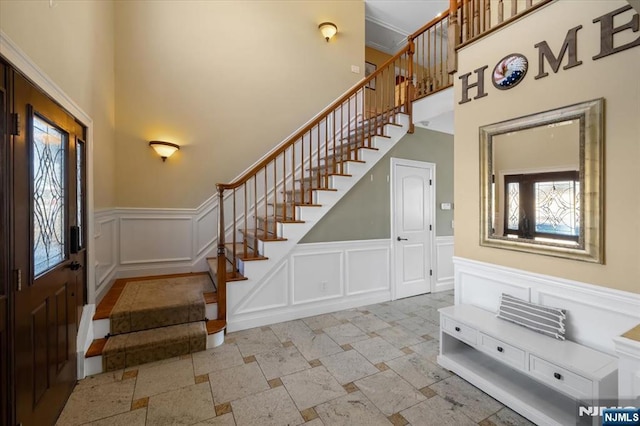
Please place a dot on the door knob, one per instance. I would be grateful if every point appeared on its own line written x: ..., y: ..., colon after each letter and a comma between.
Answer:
x: 402, y: 239
x: 74, y: 266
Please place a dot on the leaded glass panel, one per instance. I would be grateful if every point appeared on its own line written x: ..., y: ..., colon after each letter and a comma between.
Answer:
x: 558, y: 207
x: 513, y: 205
x: 48, y: 171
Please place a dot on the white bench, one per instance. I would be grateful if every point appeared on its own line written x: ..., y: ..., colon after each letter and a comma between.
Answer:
x: 542, y: 378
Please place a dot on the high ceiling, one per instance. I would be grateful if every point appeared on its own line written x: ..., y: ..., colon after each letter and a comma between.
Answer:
x: 389, y: 22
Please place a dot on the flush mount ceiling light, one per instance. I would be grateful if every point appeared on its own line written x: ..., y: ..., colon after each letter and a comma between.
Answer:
x: 328, y: 30
x: 164, y: 149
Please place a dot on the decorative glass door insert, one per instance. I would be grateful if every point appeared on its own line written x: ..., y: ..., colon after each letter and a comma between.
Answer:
x: 49, y: 186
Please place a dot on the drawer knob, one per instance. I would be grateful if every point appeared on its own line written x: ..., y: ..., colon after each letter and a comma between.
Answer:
x: 500, y: 349
x: 457, y: 328
x: 557, y: 376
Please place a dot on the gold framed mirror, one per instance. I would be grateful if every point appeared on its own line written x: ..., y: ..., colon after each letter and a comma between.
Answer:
x: 541, y: 183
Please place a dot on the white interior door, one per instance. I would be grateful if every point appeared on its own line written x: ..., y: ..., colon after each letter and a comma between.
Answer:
x: 412, y: 225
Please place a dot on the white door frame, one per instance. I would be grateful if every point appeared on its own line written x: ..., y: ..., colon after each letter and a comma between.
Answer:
x: 432, y: 211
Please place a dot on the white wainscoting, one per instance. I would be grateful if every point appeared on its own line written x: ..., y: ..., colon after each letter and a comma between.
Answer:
x: 444, y: 264
x: 595, y: 315
x: 134, y: 242
x: 315, y: 279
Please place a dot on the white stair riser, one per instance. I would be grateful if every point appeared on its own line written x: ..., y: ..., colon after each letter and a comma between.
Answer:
x: 211, y: 311
x: 101, y: 328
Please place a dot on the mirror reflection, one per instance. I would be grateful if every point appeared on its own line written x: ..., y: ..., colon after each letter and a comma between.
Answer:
x: 536, y: 183
x: 541, y: 183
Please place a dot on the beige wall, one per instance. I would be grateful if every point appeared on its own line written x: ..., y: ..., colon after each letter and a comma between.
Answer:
x: 613, y: 78
x: 227, y: 80
x: 364, y: 213
x: 73, y: 43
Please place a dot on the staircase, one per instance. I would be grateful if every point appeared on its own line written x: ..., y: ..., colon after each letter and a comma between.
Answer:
x: 286, y: 218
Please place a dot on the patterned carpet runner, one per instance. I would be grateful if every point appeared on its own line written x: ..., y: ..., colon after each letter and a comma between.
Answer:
x: 157, y: 319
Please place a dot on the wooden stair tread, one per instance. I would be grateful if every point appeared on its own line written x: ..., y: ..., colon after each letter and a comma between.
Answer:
x: 231, y: 274
x: 210, y: 297
x: 325, y: 166
x: 96, y: 347
x: 259, y: 235
x: 280, y: 219
x: 214, y: 326
x: 289, y: 191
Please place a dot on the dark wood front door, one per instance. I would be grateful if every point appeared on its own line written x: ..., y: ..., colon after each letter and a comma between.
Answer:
x: 47, y: 217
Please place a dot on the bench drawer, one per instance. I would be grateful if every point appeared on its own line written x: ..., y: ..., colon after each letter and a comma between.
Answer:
x: 503, y: 351
x: 459, y: 330
x: 560, y: 378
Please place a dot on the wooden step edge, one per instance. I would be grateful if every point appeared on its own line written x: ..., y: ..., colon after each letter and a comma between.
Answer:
x: 96, y: 347
x: 253, y: 258
x: 306, y: 205
x: 264, y: 240
x: 215, y: 326
x: 322, y: 176
x: 297, y: 204
x: 280, y: 219
x: 235, y: 276
x: 210, y: 297
x: 314, y: 189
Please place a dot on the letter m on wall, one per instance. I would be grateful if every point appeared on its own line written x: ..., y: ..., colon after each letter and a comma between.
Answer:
x: 570, y: 46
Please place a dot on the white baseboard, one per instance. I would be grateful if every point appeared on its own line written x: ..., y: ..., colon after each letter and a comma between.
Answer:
x: 595, y: 315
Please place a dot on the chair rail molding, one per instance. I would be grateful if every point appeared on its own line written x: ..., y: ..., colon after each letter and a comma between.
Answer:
x: 595, y: 315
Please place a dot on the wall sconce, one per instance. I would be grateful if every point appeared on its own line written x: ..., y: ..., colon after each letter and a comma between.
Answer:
x: 164, y: 149
x: 328, y: 30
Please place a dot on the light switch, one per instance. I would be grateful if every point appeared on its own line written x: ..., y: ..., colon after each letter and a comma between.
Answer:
x: 355, y: 69
x: 445, y: 206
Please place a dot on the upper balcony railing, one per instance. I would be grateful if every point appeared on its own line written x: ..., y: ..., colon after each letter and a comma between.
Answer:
x: 471, y: 19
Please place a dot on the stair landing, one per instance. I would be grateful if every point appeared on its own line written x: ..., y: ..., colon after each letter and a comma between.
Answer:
x: 153, y: 318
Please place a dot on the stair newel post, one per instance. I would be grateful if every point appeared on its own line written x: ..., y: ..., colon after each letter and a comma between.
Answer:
x: 266, y: 205
x: 266, y: 191
x: 221, y: 274
x: 318, y: 158
x: 410, y: 87
x: 453, y: 37
x: 284, y: 189
x: 302, y: 186
x: 293, y: 182
x: 310, y: 164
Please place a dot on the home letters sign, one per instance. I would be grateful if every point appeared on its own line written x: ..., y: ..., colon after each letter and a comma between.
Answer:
x: 546, y: 56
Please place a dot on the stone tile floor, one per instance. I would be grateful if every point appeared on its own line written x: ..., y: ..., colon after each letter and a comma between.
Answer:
x: 374, y: 365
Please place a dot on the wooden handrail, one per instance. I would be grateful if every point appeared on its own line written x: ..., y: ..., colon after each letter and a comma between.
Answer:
x: 288, y: 142
x: 423, y: 29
